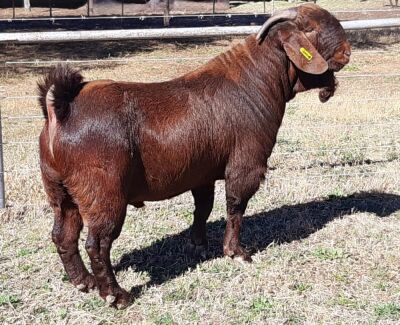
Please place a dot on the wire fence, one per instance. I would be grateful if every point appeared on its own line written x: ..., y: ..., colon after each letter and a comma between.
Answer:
x: 297, y: 157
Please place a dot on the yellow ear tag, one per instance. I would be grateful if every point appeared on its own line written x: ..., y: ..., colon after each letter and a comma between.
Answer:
x: 306, y: 54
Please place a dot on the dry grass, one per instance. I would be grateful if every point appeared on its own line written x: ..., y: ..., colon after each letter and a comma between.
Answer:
x: 324, y: 227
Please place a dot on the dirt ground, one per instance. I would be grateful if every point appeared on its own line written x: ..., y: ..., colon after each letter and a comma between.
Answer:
x: 324, y: 228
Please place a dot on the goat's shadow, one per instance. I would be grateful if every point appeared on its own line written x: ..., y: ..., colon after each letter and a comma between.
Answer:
x: 168, y: 257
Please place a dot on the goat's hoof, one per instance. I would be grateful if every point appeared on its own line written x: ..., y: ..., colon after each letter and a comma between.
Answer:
x: 110, y: 299
x: 119, y: 299
x: 81, y: 287
x: 88, y: 283
x: 243, y: 259
x: 198, y: 251
x: 238, y: 254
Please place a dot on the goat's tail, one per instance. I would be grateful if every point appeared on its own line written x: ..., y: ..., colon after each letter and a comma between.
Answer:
x: 57, y: 90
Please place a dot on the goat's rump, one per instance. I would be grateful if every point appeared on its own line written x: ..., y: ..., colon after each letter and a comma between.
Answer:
x: 60, y: 86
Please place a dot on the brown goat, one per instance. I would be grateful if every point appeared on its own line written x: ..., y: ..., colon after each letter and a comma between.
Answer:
x: 107, y: 144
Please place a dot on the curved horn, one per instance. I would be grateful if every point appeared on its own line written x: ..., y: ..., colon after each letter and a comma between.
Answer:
x: 289, y: 14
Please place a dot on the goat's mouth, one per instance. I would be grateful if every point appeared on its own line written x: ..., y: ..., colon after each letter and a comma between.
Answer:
x: 336, y: 66
x: 337, y: 62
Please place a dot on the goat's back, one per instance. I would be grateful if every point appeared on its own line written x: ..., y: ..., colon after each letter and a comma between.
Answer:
x: 160, y: 141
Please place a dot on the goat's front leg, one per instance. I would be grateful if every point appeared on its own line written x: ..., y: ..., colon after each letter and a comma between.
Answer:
x: 104, y: 228
x: 240, y: 186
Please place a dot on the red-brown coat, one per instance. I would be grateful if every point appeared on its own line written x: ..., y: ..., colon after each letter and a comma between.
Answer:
x: 106, y: 144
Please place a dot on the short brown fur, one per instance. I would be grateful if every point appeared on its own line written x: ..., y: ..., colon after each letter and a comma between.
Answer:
x: 120, y: 143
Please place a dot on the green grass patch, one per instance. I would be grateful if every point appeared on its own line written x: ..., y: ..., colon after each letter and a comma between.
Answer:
x: 392, y: 155
x: 220, y: 266
x: 352, y: 157
x: 330, y: 254
x: 383, y: 286
x: 186, y: 215
x: 25, y: 252
x: 348, y: 302
x: 336, y: 194
x: 9, y: 300
x: 289, y: 144
x: 262, y: 304
x: 390, y: 310
x: 301, y: 287
x: 91, y: 304
x: 25, y: 267
x: 164, y: 319
x: 63, y: 313
x: 342, y: 277
x: 40, y: 310
x: 351, y: 68
x: 177, y: 294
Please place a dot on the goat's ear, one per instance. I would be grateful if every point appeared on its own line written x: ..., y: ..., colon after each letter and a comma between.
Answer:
x: 303, y: 54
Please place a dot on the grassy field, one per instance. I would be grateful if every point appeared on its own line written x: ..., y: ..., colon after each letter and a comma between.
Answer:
x: 324, y: 228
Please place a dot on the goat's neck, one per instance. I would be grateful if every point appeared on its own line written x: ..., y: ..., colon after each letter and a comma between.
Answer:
x: 261, y: 74
x: 263, y: 67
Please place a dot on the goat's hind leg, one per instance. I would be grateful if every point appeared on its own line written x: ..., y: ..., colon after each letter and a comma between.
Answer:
x: 105, y: 224
x: 67, y: 227
x: 65, y: 235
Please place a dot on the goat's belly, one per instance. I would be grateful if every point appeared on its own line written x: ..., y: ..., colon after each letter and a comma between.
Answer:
x: 138, y: 200
x: 171, y: 165
x: 162, y: 188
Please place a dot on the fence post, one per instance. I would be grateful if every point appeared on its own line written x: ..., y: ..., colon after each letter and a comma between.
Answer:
x: 90, y: 7
x: 166, y: 14
x: 27, y: 4
x: 2, y: 195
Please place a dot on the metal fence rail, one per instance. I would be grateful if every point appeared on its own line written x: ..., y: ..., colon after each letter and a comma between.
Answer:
x: 147, y: 21
x: 166, y: 33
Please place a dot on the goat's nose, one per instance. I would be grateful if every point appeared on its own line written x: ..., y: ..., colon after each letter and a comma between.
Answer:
x: 346, y: 56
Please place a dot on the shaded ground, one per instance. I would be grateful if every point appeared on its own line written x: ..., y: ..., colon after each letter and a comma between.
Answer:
x: 168, y: 257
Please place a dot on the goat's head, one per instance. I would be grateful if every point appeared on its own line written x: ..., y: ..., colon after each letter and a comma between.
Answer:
x: 315, y: 44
